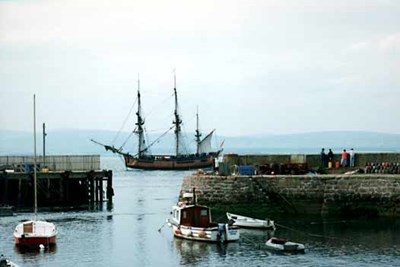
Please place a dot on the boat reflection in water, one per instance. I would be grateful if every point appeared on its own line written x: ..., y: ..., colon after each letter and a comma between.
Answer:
x: 192, y: 252
x: 35, y: 250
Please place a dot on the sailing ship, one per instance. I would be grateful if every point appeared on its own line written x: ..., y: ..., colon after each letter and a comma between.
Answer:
x: 143, y: 159
x: 35, y: 233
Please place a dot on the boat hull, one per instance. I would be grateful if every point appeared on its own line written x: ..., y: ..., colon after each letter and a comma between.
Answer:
x: 280, y: 245
x: 222, y: 233
x: 31, y: 242
x: 31, y: 234
x: 6, y: 262
x: 170, y: 162
x: 247, y: 222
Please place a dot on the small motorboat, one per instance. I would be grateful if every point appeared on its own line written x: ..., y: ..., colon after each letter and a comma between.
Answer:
x: 4, y: 262
x: 193, y: 222
x: 248, y: 222
x: 282, y: 245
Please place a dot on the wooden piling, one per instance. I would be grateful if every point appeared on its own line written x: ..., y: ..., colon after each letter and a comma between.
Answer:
x: 56, y: 189
x: 110, y: 190
x: 101, y: 191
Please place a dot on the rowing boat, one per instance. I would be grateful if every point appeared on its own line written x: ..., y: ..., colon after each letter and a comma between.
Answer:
x: 248, y: 222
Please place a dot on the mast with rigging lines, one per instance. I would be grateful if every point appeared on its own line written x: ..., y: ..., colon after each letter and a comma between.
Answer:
x: 177, y: 122
x: 139, y: 124
x: 198, y: 134
x: 143, y: 159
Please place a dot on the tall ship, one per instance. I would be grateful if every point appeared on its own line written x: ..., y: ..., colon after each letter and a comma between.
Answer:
x: 143, y: 159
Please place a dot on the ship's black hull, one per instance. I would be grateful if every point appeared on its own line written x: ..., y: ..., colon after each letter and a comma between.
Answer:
x: 164, y: 162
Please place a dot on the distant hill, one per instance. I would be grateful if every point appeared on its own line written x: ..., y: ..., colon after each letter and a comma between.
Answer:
x: 314, y: 141
x: 69, y: 142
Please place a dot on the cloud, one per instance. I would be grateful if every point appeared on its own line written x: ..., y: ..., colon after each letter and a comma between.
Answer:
x: 360, y: 46
x: 250, y: 54
x: 389, y: 43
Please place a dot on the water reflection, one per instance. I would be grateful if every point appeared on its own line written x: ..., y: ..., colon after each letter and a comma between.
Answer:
x: 32, y: 251
x: 192, y: 252
x: 128, y: 235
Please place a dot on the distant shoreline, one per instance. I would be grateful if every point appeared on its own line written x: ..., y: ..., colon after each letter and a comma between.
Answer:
x: 77, y: 142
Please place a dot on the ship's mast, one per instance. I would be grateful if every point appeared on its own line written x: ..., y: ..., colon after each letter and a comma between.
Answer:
x: 177, y: 121
x: 139, y: 124
x: 34, y: 159
x: 198, y: 134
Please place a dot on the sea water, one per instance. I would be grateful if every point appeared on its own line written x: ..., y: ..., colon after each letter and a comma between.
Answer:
x: 133, y: 233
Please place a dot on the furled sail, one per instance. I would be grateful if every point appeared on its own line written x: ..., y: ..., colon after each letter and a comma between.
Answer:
x: 205, y: 144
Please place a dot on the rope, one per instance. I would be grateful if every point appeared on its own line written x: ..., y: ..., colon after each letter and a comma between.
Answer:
x: 123, y: 124
x: 155, y: 141
x: 159, y: 106
x: 259, y: 245
x: 129, y: 136
x: 309, y: 234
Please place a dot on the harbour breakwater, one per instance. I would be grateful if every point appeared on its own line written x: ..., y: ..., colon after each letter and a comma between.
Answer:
x: 312, y: 160
x: 349, y: 195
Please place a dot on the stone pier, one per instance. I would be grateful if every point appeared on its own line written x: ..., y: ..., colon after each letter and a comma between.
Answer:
x: 356, y: 194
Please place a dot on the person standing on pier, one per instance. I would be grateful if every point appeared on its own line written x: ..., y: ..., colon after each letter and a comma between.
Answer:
x: 352, y: 158
x: 330, y: 158
x: 322, y: 162
x: 343, y: 161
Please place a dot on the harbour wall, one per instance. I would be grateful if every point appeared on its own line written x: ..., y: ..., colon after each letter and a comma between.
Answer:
x: 350, y: 195
x: 312, y: 160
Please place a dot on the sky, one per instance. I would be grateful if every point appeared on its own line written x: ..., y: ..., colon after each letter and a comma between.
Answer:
x: 248, y: 66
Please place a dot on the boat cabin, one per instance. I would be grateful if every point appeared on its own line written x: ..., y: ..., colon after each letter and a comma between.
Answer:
x: 193, y: 215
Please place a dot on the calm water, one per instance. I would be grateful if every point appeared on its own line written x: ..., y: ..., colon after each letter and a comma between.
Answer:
x: 128, y: 234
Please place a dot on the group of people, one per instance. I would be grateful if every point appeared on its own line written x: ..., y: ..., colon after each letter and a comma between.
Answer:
x: 347, y: 158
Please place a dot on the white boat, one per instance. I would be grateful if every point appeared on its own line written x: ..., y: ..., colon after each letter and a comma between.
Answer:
x: 4, y: 262
x: 282, y: 245
x: 243, y: 221
x: 193, y: 222
x: 35, y: 233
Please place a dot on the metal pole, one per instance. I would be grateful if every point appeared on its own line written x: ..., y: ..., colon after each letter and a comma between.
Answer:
x: 44, y: 144
x: 34, y: 157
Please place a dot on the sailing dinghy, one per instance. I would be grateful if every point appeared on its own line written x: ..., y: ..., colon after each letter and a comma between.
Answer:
x: 35, y: 233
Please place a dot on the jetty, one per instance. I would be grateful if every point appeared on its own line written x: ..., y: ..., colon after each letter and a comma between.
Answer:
x: 371, y: 188
x: 65, y: 182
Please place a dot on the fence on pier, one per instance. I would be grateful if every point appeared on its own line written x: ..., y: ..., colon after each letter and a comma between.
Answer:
x: 53, y: 163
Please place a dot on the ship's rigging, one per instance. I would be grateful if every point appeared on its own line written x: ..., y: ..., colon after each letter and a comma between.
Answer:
x: 143, y: 157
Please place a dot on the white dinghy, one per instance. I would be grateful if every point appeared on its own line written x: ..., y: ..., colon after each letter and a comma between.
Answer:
x: 282, y: 245
x: 248, y: 222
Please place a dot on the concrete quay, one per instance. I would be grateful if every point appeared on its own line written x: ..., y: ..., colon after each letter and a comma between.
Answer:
x: 348, y: 195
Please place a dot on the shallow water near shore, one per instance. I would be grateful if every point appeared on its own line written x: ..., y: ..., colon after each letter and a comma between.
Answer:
x: 127, y: 235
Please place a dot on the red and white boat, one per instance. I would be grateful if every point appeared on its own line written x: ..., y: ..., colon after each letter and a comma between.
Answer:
x: 193, y: 222
x: 35, y: 233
